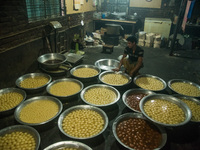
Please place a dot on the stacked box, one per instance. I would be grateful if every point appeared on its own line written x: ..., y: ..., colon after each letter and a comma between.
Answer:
x: 141, y: 42
x: 157, y: 41
x: 149, y: 39
x: 148, y: 43
x: 142, y: 37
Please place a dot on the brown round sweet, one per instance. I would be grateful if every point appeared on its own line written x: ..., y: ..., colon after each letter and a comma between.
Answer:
x: 138, y: 134
x: 133, y: 100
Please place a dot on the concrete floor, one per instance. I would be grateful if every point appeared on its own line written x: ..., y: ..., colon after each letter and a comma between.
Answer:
x: 156, y: 62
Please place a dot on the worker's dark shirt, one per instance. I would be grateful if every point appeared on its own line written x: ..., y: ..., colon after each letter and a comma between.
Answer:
x: 133, y: 57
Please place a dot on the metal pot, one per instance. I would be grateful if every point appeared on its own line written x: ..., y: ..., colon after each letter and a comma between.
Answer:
x: 113, y: 29
x: 51, y: 61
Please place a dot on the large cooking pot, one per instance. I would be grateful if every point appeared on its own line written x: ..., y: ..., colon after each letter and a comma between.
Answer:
x: 51, y: 61
x: 113, y: 29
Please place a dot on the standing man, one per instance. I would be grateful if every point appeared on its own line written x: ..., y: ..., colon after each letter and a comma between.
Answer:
x: 134, y: 62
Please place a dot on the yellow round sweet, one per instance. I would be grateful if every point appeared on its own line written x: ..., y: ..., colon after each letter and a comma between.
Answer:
x: 195, y: 109
x: 186, y: 89
x: 17, y: 140
x: 149, y: 83
x: 39, y: 111
x: 34, y: 82
x: 100, y: 96
x: 65, y: 88
x: 83, y: 123
x: 115, y: 79
x: 85, y: 72
x: 10, y: 100
x: 164, y: 111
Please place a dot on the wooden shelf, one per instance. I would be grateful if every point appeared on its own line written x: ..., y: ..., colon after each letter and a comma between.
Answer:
x: 112, y: 20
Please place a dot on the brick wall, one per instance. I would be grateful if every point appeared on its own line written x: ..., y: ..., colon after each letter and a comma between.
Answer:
x: 14, y: 23
x: 21, y: 42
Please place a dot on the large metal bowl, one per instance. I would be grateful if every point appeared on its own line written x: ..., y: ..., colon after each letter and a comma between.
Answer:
x: 171, y: 99
x: 112, y: 72
x: 107, y: 64
x: 33, y: 75
x: 192, y: 99
x: 51, y: 61
x: 10, y: 90
x: 85, y: 79
x: 170, y: 82
x: 78, y: 107
x: 151, y: 76
x: 140, y: 116
x: 32, y: 100
x: 132, y: 92
x: 100, y: 86
x: 65, y: 98
x: 25, y: 129
x: 68, y: 144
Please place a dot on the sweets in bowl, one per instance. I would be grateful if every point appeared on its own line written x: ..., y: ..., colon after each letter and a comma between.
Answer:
x: 85, y: 72
x: 38, y: 110
x: 132, y: 98
x: 165, y: 110
x: 134, y: 131
x: 193, y: 104
x: 65, y: 88
x: 19, y: 137
x: 184, y: 87
x: 82, y: 122
x: 150, y: 82
x: 68, y: 145
x: 33, y: 82
x: 100, y: 95
x: 115, y: 78
x: 10, y: 98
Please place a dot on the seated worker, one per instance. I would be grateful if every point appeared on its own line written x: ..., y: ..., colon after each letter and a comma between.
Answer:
x: 134, y: 62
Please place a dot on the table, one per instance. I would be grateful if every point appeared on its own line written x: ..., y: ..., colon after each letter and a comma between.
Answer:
x: 98, y: 23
